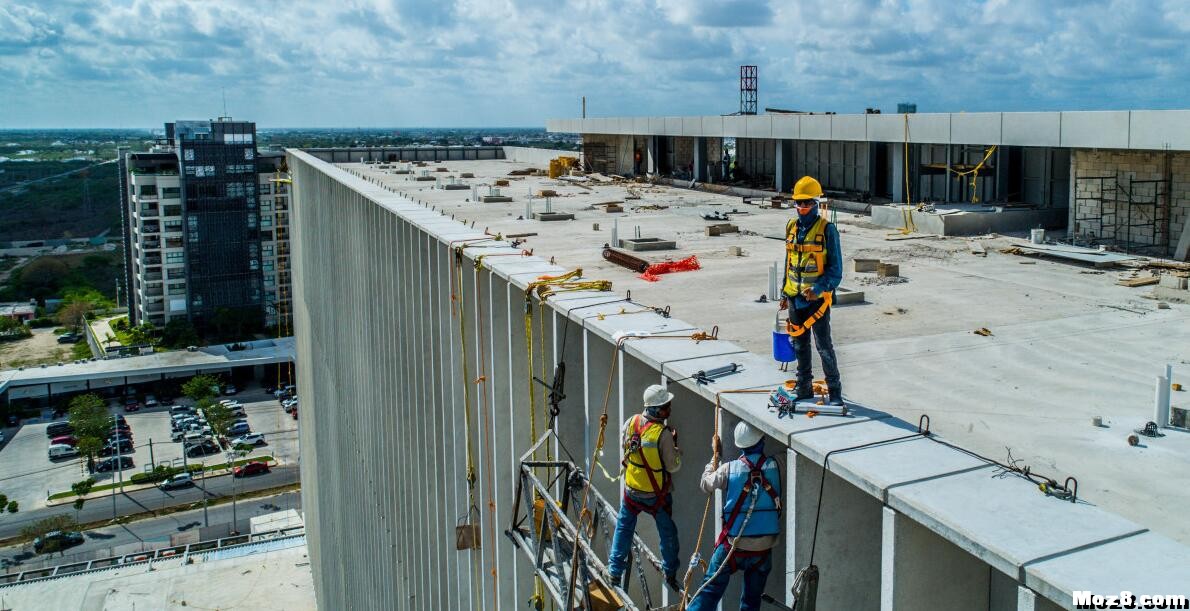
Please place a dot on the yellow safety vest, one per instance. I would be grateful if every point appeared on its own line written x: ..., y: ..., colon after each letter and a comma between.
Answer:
x: 805, y: 260
x: 642, y: 450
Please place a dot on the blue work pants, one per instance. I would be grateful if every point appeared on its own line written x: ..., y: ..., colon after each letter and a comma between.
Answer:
x: 626, y: 528
x: 756, y: 569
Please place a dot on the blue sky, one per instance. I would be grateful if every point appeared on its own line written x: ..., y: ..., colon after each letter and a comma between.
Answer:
x: 355, y: 63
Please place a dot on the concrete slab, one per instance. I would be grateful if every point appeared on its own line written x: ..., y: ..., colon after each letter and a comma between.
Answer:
x: 1147, y: 563
x: 997, y: 518
x: 879, y: 468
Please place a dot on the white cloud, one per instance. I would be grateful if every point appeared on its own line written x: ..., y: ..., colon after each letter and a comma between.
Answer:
x: 517, y: 62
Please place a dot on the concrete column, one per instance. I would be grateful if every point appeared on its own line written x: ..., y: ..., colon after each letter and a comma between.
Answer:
x: 920, y: 570
x: 652, y: 159
x: 1028, y: 600
x: 848, y: 554
x: 785, y: 175
x: 701, y: 169
x: 897, y: 164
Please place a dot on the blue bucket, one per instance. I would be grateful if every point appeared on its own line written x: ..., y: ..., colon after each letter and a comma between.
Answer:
x: 783, y: 351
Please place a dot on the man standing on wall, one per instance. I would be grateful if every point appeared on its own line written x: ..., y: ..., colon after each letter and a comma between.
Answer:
x: 651, y: 455
x: 814, y: 267
x: 751, y: 520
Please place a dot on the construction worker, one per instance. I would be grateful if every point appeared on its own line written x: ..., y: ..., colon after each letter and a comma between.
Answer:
x: 651, y: 455
x: 751, y: 520
x: 637, y: 158
x: 814, y: 265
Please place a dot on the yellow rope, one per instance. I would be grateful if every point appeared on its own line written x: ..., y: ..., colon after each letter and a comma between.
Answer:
x: 457, y: 310
x: 974, y: 173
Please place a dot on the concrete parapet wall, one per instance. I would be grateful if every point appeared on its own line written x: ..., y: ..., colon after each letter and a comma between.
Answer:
x: 397, y: 387
x: 534, y: 156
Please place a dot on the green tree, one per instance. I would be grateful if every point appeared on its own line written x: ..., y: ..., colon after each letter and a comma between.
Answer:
x: 218, y: 416
x: 179, y: 333
x: 201, y: 387
x: 11, y: 328
x: 90, y: 420
x: 70, y: 315
x: 81, y: 489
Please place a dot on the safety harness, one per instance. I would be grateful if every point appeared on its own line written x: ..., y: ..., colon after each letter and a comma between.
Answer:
x: 799, y: 255
x: 755, y: 478
x: 635, y: 446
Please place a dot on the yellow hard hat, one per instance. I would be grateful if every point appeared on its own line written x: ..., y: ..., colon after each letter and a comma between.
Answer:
x: 807, y: 188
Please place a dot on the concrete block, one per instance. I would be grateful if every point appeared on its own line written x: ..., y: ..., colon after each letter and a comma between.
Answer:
x: 865, y: 265
x: 1171, y: 281
x: 845, y: 296
x: 639, y: 244
x: 552, y: 216
x: 721, y: 228
x: 495, y: 199
x: 888, y: 270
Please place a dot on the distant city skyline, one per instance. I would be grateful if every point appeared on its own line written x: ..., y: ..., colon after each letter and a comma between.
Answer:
x: 118, y: 64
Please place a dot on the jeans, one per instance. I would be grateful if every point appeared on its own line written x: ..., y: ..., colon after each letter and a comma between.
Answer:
x: 756, y: 573
x: 822, y: 339
x: 626, y: 528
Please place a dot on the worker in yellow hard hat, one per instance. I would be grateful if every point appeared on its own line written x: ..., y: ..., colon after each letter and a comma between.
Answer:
x: 814, y: 266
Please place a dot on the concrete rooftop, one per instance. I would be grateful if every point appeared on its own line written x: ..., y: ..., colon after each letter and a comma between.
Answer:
x: 273, y: 575
x: 1068, y: 344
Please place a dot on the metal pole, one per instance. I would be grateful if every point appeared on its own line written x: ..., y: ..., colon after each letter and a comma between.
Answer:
x: 152, y: 461
x: 205, y: 521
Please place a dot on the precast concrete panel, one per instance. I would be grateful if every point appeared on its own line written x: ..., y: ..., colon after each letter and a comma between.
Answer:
x: 656, y: 126
x: 815, y: 127
x: 712, y: 126
x: 640, y: 126
x: 1031, y: 129
x: 735, y: 127
x: 786, y: 127
x: 976, y: 128
x: 886, y: 128
x: 933, y: 128
x: 760, y: 126
x: 623, y: 125
x: 691, y: 126
x: 1159, y: 130
x: 672, y: 126
x: 849, y: 127
x: 1095, y: 129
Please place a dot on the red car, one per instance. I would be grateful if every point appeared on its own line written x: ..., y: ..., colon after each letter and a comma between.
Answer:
x: 69, y: 440
x: 251, y: 468
x: 131, y: 406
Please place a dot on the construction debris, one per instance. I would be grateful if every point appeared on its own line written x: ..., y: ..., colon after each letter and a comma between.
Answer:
x: 865, y: 265
x: 976, y: 248
x: 653, y: 272
x: 1138, y: 281
x: 983, y: 331
x: 888, y: 270
x: 721, y: 229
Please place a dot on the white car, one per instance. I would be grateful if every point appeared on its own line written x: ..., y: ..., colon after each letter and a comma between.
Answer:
x: 229, y: 402
x: 251, y: 439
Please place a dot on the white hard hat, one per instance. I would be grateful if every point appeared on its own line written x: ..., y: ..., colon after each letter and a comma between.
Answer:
x: 656, y: 396
x: 747, y: 435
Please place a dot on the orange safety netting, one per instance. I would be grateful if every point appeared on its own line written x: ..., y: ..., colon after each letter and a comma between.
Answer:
x: 655, y: 270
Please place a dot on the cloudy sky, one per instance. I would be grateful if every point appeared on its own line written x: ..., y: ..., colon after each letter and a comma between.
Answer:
x: 362, y: 63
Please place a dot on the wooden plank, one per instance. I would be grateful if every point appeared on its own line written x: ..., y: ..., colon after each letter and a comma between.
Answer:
x: 977, y: 248
x: 1138, y: 281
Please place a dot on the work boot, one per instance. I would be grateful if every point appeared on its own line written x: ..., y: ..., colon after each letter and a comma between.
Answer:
x: 805, y: 392
x: 671, y: 580
x: 835, y: 397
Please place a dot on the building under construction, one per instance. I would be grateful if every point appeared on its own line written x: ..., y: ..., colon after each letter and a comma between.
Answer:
x: 469, y: 347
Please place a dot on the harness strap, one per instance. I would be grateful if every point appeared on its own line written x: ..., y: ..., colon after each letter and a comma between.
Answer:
x: 794, y: 329
x: 755, y: 473
x: 658, y: 490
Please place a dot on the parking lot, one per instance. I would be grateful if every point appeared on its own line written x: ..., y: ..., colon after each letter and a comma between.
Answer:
x: 27, y: 475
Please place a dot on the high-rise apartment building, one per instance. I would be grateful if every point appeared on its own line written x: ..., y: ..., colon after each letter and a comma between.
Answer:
x: 205, y: 227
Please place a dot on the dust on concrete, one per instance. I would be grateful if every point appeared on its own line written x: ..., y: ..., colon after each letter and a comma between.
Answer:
x: 905, y: 252
x: 880, y: 280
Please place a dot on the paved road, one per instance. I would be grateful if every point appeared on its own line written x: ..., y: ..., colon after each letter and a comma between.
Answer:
x: 150, y: 530
x: 152, y: 499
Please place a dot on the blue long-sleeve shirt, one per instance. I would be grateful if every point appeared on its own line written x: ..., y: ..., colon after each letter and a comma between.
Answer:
x: 832, y: 276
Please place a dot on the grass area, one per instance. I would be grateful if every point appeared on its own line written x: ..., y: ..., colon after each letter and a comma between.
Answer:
x: 81, y: 350
x: 54, y: 275
x: 114, y: 485
x: 78, y: 205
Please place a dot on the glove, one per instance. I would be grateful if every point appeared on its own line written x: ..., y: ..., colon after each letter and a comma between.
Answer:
x: 784, y: 303
x: 808, y: 294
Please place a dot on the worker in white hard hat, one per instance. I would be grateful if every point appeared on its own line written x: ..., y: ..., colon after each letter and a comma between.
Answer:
x: 814, y: 267
x: 651, y: 455
x: 751, y: 520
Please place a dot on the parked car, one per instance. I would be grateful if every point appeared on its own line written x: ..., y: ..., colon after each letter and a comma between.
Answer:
x: 205, y: 448
x: 121, y: 420
x: 251, y: 468
x: 61, y: 450
x: 239, y: 428
x: 115, y: 463
x: 131, y: 405
x: 57, y: 540
x: 150, y: 401
x: 251, y: 439
x: 180, y: 410
x: 295, y: 410
x: 177, y: 435
x: 229, y: 402
x: 68, y: 338
x: 113, y: 448
x: 57, y: 429
x: 167, y: 401
x: 13, y: 420
x: 65, y: 440
x: 181, y: 480
x: 230, y: 389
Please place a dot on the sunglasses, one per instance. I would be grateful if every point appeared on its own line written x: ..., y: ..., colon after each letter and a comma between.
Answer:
x: 805, y: 203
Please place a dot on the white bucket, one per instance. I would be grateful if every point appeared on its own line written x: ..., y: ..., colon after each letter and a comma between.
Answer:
x: 1037, y: 236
